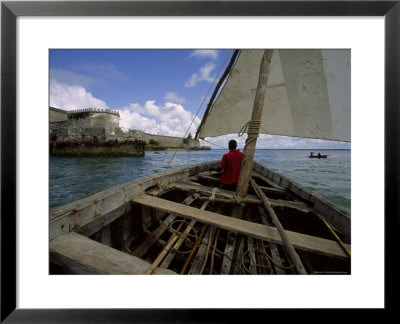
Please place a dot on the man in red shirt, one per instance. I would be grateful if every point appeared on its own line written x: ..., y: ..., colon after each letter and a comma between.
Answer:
x: 231, y: 164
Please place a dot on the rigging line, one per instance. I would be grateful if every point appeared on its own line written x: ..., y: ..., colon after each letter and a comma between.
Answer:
x: 214, y: 144
x: 205, y: 97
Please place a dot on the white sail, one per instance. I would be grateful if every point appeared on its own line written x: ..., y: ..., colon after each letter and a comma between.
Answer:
x: 308, y: 95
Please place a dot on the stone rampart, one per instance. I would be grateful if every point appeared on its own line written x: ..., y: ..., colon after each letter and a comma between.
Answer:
x: 93, y: 141
x: 57, y: 115
x: 79, y: 132
x: 171, y: 142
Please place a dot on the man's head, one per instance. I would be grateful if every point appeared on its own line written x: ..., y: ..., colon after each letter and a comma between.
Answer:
x: 232, y: 144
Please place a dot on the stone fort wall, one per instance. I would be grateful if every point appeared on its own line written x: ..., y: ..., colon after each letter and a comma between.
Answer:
x: 103, y: 123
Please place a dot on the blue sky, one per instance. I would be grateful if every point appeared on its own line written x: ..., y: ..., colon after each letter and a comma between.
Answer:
x: 156, y: 91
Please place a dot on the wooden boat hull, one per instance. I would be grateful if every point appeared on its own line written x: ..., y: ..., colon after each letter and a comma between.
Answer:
x: 318, y: 157
x: 145, y: 227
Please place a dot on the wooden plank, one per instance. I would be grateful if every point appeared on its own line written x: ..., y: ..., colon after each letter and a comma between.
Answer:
x: 237, y: 269
x: 171, y: 255
x: 163, y: 253
x: 106, y: 235
x: 196, y: 244
x: 273, y: 248
x: 228, y: 253
x: 263, y: 232
x: 262, y: 260
x: 252, y: 256
x: 155, y: 235
x: 102, y: 221
x: 268, y: 181
x: 168, y: 259
x: 78, y: 252
x: 201, y: 254
x: 221, y: 193
x: 208, y: 178
x: 232, y: 201
x: 213, y: 252
x: 275, y: 191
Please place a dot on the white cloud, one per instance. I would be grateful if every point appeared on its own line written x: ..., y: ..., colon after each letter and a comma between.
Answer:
x: 169, y: 119
x: 133, y: 120
x: 204, y: 74
x: 265, y: 141
x: 173, y: 97
x: 212, y: 54
x: 71, y: 97
x: 68, y: 90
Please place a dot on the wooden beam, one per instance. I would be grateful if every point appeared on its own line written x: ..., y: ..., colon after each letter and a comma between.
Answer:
x: 82, y: 255
x: 294, y: 257
x: 252, y: 134
x: 232, y: 201
x: 267, y: 233
x: 221, y: 193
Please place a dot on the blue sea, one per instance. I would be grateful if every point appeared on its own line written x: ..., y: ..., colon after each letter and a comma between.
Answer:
x: 74, y: 178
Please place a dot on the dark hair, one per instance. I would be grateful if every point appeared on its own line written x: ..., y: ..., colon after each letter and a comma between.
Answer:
x: 232, y: 144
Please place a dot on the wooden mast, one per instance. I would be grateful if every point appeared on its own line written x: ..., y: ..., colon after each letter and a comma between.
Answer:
x: 247, y: 164
x: 251, y: 141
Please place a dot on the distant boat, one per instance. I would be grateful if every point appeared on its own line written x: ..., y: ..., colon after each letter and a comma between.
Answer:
x: 318, y: 156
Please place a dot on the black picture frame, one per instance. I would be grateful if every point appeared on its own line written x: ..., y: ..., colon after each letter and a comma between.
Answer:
x: 10, y: 10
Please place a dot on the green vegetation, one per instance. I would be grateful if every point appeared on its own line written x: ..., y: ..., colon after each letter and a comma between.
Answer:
x: 153, y: 142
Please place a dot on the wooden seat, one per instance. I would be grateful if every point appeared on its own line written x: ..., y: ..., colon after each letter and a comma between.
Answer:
x: 85, y: 256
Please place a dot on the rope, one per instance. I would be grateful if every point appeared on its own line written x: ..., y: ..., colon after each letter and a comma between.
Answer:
x: 195, y: 116
x: 239, y: 200
x: 252, y: 127
x: 212, y: 198
x: 253, y: 130
x: 240, y: 264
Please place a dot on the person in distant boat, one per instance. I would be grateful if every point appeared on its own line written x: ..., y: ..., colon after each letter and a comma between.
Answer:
x: 319, y: 154
x: 230, y: 164
x: 312, y: 154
